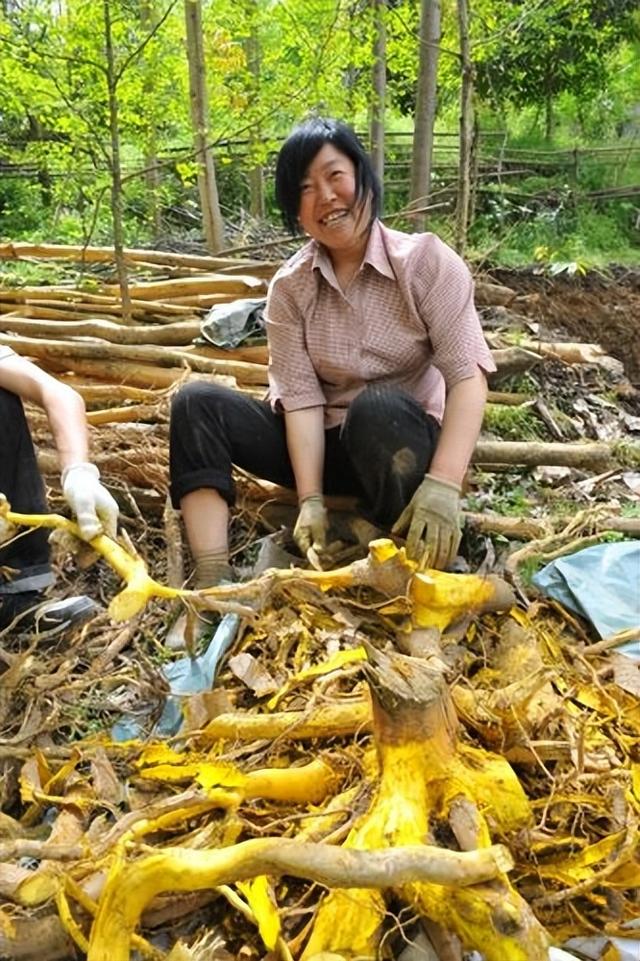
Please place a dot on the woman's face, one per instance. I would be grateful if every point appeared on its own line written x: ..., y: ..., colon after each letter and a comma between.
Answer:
x: 329, y: 211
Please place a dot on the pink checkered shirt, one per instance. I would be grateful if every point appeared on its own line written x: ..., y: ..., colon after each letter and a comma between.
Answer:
x: 406, y: 319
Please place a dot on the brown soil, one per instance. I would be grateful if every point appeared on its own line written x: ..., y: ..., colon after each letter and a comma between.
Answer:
x: 595, y: 309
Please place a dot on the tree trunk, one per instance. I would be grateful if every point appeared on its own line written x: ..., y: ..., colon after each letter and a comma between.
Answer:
x: 426, y: 103
x: 252, y: 50
x: 379, y: 89
x: 116, y: 172
x: 152, y: 170
x: 466, y: 130
x: 211, y: 215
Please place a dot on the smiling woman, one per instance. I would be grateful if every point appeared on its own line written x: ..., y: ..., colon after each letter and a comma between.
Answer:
x: 377, y: 372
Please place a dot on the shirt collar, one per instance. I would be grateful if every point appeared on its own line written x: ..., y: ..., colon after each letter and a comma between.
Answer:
x: 375, y: 255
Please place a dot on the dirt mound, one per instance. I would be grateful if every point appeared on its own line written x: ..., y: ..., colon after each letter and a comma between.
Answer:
x: 596, y: 308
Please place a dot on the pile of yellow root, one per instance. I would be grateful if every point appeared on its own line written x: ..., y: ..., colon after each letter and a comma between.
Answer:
x: 386, y: 751
x: 385, y: 755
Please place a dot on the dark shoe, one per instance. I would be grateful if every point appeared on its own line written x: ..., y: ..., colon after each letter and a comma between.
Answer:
x: 28, y: 612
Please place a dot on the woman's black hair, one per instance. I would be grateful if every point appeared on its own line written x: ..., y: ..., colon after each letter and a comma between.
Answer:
x: 297, y: 153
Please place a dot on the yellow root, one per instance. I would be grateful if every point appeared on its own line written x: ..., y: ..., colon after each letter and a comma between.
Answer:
x: 132, y: 569
x: 425, y: 785
x: 130, y: 887
x: 437, y: 599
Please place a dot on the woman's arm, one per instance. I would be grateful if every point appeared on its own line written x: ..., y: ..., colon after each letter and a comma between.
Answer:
x: 63, y: 406
x: 95, y: 509
x: 463, y: 412
x: 305, y: 442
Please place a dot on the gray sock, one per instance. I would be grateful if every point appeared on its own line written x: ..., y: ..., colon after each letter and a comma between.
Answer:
x: 211, y: 568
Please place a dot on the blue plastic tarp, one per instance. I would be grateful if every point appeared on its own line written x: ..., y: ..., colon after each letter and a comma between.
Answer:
x: 600, y: 583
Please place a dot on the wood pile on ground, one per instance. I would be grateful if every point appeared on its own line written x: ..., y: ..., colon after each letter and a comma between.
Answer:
x: 389, y: 761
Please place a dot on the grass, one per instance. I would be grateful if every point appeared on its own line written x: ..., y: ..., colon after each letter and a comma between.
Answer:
x: 513, y: 423
x: 626, y: 453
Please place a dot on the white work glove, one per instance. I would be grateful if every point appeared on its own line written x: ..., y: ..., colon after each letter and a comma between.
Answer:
x: 95, y: 509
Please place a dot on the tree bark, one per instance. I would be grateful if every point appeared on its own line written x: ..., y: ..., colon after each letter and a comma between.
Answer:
x: 116, y: 172
x: 426, y: 103
x: 379, y: 86
x: 466, y: 130
x: 208, y: 188
x: 252, y: 50
x: 152, y: 170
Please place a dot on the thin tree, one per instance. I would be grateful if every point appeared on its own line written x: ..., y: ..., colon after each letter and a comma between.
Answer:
x: 211, y: 216
x: 114, y: 162
x: 466, y: 130
x: 425, y: 112
x: 379, y: 87
x: 252, y: 52
x: 151, y: 165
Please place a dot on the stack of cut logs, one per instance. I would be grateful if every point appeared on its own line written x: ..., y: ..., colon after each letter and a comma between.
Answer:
x: 127, y: 371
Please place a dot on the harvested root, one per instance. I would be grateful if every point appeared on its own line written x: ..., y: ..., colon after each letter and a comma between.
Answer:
x: 131, y: 886
x: 437, y: 599
x: 140, y: 586
x: 426, y: 785
x: 328, y: 720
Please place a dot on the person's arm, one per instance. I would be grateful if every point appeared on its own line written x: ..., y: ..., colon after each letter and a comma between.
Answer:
x: 445, y: 300
x: 95, y: 509
x: 305, y: 443
x: 63, y: 406
x: 463, y: 413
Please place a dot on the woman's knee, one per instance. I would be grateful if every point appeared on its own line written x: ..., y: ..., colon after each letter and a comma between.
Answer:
x: 196, y: 398
x: 376, y: 404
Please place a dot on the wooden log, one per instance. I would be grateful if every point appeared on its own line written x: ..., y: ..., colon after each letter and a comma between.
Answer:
x: 32, y: 313
x: 591, y: 456
x: 159, y: 356
x: 53, y: 297
x: 511, y: 400
x: 135, y: 467
x: 242, y: 285
x: 520, y: 528
x: 487, y: 294
x: 204, y: 301
x: 22, y: 251
x: 131, y: 414
x: 511, y: 361
x: 177, y: 334
x: 133, y: 375
x: 101, y: 393
x: 253, y: 354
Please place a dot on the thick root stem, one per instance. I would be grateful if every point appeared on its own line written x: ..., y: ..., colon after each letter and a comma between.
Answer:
x: 130, y: 887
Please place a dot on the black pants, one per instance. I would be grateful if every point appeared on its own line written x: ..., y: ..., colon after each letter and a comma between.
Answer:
x: 380, y: 453
x: 21, y: 483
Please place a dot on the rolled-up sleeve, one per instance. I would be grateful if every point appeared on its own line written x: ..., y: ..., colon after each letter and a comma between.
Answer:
x: 447, y: 308
x: 293, y: 382
x: 6, y: 352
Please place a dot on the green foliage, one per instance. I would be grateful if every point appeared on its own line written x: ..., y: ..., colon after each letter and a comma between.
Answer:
x: 509, y: 422
x: 269, y: 64
x: 538, y: 52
